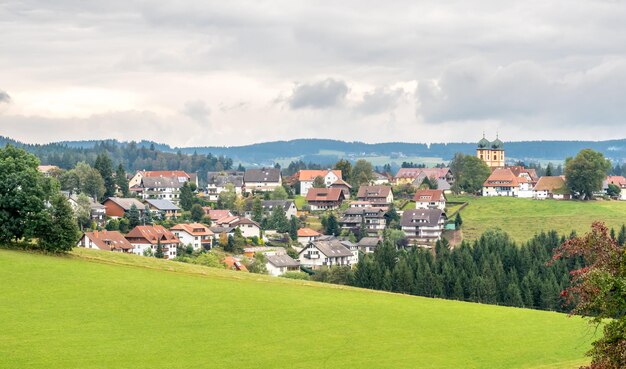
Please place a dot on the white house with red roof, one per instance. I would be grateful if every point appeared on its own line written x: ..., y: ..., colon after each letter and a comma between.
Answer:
x: 306, y: 235
x: 430, y: 199
x: 307, y: 177
x: 106, y: 241
x: 195, y: 234
x: 501, y: 182
x: 150, y: 236
x: 618, y: 181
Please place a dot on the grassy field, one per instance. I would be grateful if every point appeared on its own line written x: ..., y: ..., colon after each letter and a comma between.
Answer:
x: 522, y: 218
x: 104, y: 310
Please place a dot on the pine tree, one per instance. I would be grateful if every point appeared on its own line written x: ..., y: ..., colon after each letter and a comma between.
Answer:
x: 159, y: 251
x: 104, y: 166
x: 134, y: 219
x: 197, y: 212
x: 278, y: 219
x: 332, y: 228
x: 121, y: 181
x: 621, y: 237
x: 458, y: 221
x: 362, y: 227
x: 293, y: 228
x: 186, y: 197
x: 257, y: 209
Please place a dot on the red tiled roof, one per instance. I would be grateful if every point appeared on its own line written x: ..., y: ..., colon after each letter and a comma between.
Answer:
x: 109, y: 240
x: 309, y: 175
x: 340, y: 182
x: 324, y: 194
x: 217, y: 214
x: 616, y: 180
x: 307, y: 232
x: 234, y: 264
x: 166, y: 173
x: 153, y: 234
x: 194, y: 229
x: 502, y: 176
x: 429, y: 195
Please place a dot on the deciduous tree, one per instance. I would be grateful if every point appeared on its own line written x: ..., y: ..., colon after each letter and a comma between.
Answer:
x: 585, y: 172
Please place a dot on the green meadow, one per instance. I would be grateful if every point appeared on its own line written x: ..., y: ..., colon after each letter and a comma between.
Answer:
x: 522, y: 218
x: 94, y: 309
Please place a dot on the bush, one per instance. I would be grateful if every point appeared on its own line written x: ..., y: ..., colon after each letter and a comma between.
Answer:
x: 296, y: 275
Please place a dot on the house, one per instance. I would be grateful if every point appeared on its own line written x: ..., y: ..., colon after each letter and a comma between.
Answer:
x: 268, y: 206
x: 216, y: 214
x: 249, y: 252
x: 234, y: 264
x: 248, y: 227
x: 430, y: 199
x: 423, y: 225
x: 218, y: 231
x: 264, y: 179
x: 217, y: 183
x: 520, y: 171
x: 415, y: 176
x: 354, y: 249
x: 373, y: 217
x: 48, y: 170
x: 306, y: 235
x: 501, y: 182
x: 162, y: 188
x: 325, y: 253
x: 116, y: 207
x: 324, y: 198
x: 368, y: 245
x: 180, y: 176
x: 97, y: 211
x: 551, y: 187
x: 280, y: 264
x: 163, y: 209
x: 307, y: 177
x: 343, y: 185
x: 618, y: 181
x: 380, y: 179
x: 148, y: 237
x: 106, y: 241
x: 195, y: 234
x: 377, y: 195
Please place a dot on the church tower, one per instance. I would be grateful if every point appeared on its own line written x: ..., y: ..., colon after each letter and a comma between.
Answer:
x: 491, y: 153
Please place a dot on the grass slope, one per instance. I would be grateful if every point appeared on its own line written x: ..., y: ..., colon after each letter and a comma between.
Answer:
x: 522, y: 218
x: 105, y: 310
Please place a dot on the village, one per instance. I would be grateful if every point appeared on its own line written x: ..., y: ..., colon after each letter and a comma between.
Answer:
x: 310, y: 220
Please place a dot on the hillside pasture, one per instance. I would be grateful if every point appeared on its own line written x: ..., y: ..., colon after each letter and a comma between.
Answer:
x: 522, y: 218
x: 95, y: 309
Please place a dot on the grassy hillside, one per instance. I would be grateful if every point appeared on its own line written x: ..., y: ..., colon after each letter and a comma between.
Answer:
x: 522, y: 218
x: 104, y: 310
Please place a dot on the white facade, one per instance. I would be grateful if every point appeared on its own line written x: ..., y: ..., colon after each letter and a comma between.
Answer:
x: 195, y: 241
x: 441, y: 205
x: 501, y: 191
x: 249, y: 230
x: 329, y: 179
x: 314, y: 258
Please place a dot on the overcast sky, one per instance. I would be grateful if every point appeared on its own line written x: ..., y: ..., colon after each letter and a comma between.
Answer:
x: 236, y: 72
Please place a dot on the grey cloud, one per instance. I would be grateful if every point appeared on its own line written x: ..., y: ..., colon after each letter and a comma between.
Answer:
x: 379, y: 101
x: 475, y: 90
x: 317, y: 95
x: 197, y: 110
x: 4, y: 97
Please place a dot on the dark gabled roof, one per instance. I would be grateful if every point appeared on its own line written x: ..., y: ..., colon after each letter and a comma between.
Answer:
x: 368, y: 192
x: 218, y: 230
x: 262, y: 175
x: 430, y: 217
x: 365, y: 210
x: 221, y: 179
x: 162, y: 204
x: 369, y: 241
x: 331, y: 248
x: 282, y: 261
x: 268, y: 205
x: 126, y: 203
x: 161, y: 182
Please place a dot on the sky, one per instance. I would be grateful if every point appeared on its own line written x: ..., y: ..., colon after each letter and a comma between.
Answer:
x: 223, y: 73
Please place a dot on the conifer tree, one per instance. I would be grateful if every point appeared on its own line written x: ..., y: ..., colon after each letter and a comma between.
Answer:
x: 134, y: 218
x: 186, y: 197
x: 293, y: 228
x: 159, y: 251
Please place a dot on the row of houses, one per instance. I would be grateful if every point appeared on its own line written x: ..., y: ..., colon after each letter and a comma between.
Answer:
x: 516, y: 182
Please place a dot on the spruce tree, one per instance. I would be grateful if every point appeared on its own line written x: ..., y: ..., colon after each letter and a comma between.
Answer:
x: 60, y: 233
x: 104, y: 166
x: 134, y: 219
x: 293, y: 228
x: 621, y: 237
x: 332, y: 227
x: 362, y: 228
x: 278, y: 219
x: 186, y: 197
x: 458, y: 221
x: 159, y: 251
x: 121, y: 181
x: 257, y: 209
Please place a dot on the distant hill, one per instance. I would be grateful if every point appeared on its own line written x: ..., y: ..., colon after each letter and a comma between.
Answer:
x: 325, y: 151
